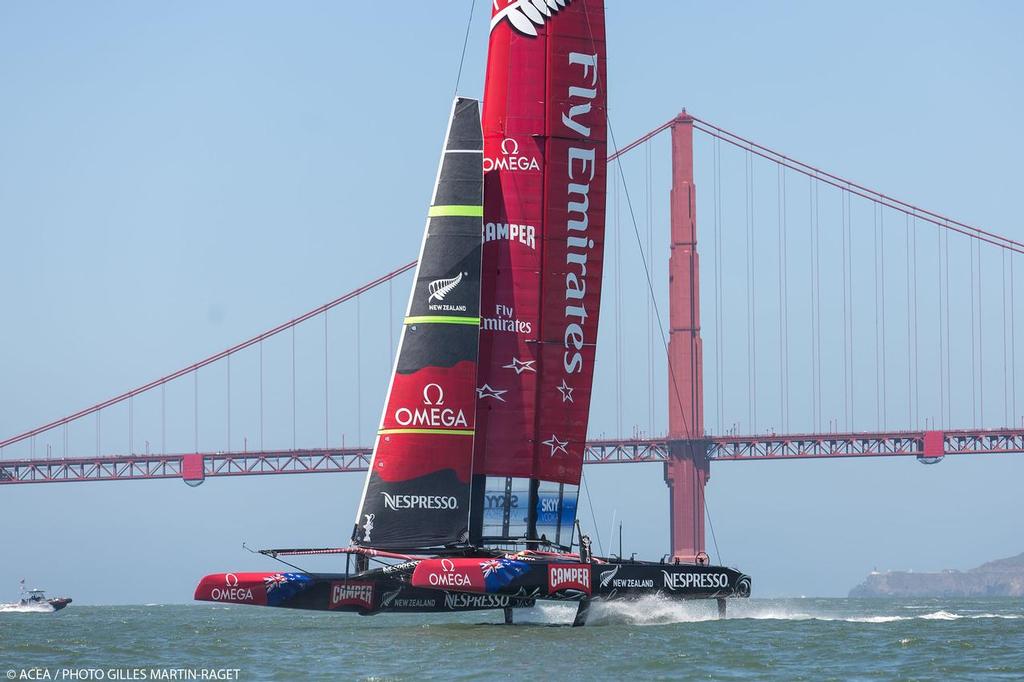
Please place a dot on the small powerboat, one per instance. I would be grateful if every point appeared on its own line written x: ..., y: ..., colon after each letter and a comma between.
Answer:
x: 36, y: 601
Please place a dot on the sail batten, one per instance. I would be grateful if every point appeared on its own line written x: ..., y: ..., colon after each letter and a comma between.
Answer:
x: 417, y: 491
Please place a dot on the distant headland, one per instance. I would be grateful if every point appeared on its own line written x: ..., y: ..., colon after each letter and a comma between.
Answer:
x: 999, y: 578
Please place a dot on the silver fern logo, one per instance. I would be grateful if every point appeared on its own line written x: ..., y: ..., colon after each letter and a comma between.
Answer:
x: 606, y: 576
x: 440, y: 288
x: 526, y: 15
x: 389, y: 597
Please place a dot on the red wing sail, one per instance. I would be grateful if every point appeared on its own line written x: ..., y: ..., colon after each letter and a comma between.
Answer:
x: 545, y: 155
x: 417, y: 492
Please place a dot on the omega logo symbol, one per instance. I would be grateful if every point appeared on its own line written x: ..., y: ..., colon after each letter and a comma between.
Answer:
x: 447, y: 565
x: 438, y: 393
x: 230, y: 580
x: 509, y: 146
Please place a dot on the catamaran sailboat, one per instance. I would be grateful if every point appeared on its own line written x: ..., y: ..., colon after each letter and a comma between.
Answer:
x: 470, y: 501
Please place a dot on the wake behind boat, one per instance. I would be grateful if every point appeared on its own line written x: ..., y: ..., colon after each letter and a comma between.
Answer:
x: 471, y: 495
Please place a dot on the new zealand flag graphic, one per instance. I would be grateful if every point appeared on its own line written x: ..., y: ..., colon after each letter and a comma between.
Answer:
x: 283, y: 586
x: 498, y: 573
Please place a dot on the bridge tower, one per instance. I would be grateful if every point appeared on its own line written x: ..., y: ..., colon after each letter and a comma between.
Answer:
x: 687, y: 471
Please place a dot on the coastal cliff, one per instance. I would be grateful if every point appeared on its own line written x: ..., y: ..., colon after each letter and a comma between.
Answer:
x: 1000, y: 578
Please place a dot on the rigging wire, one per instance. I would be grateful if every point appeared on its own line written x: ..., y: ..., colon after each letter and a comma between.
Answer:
x: 465, y: 42
x: 593, y: 516
x: 711, y: 526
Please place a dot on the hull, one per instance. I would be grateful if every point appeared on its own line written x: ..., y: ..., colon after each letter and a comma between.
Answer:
x: 59, y: 603
x: 441, y: 585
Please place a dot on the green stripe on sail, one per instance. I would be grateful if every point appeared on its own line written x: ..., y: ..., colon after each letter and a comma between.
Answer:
x: 443, y: 319
x: 456, y: 210
x: 442, y: 432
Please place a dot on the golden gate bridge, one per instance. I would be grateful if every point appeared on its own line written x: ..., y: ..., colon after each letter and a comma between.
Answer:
x: 859, y: 301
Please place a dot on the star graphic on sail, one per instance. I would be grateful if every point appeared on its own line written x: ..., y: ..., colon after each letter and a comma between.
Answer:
x: 566, y: 391
x: 520, y: 366
x: 555, y: 444
x: 486, y: 391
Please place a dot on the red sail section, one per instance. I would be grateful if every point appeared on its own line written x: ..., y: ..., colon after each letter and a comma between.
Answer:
x: 544, y: 126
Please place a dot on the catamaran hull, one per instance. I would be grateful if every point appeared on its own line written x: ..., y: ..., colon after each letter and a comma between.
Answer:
x: 451, y: 585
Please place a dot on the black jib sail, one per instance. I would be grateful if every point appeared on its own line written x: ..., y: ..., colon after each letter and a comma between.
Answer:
x: 417, y: 493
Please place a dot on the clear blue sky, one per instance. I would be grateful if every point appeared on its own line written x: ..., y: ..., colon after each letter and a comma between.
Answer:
x: 177, y: 177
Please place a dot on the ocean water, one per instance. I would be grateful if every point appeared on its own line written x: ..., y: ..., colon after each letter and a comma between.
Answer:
x: 790, y: 639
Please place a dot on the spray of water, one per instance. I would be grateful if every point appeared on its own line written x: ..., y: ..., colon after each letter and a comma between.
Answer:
x: 659, y: 610
x: 26, y: 608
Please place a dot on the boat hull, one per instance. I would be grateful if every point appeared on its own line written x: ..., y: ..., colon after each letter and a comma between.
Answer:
x: 471, y: 584
x: 59, y: 603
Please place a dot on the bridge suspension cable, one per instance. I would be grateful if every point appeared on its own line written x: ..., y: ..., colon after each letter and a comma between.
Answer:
x: 258, y: 339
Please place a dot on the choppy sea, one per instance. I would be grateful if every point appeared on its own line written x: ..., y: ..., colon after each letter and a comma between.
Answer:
x: 791, y: 639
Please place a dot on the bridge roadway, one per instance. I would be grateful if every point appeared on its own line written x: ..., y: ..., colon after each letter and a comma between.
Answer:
x: 193, y: 468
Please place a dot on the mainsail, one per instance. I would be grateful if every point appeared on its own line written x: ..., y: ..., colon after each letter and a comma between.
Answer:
x: 417, y: 492
x: 545, y: 155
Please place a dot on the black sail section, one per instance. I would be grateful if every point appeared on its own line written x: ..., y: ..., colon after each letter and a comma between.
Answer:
x: 417, y: 492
